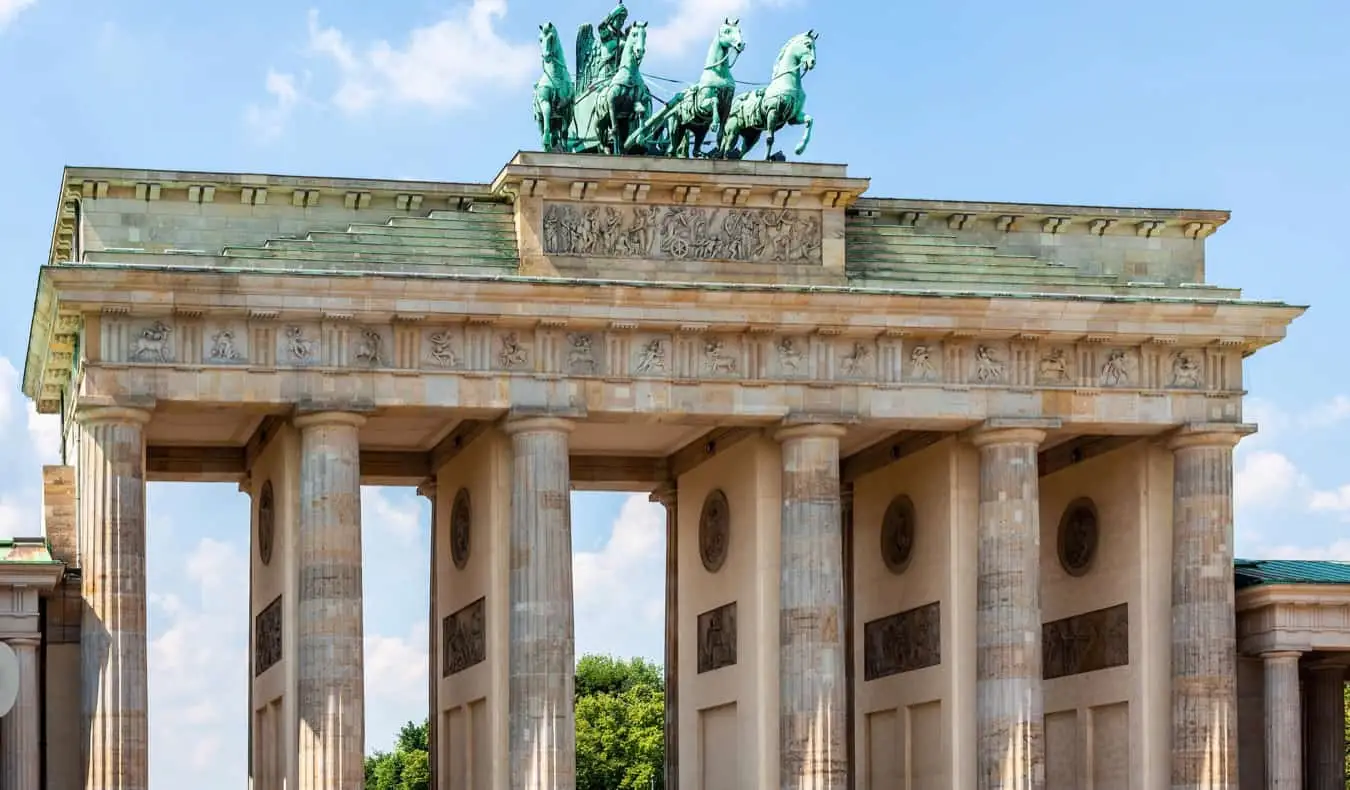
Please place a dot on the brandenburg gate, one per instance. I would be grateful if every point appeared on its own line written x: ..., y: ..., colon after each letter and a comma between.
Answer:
x: 948, y: 484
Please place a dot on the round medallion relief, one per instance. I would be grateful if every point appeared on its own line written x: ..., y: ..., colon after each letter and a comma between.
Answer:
x: 267, y: 515
x: 461, y: 520
x: 714, y: 531
x: 1078, y: 535
x: 897, y: 534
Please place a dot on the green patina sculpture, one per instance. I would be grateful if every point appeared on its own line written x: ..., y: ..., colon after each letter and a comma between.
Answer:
x: 609, y: 108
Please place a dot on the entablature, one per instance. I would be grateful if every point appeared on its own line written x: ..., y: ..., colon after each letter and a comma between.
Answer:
x: 1293, y: 617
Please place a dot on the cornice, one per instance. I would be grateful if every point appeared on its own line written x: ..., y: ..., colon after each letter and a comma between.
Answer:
x: 1046, y: 218
x: 1265, y: 595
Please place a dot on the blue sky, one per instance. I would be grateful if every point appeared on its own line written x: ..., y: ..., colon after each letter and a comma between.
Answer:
x: 1236, y: 105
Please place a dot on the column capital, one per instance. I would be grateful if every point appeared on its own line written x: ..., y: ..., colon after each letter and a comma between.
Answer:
x: 29, y: 641
x: 1281, y: 656
x: 813, y: 430
x: 1209, y: 434
x: 515, y: 425
x: 317, y: 418
x: 99, y: 415
x: 427, y: 488
x: 1011, y: 430
x: 665, y: 494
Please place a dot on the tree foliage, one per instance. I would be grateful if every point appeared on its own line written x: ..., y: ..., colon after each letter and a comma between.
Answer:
x: 620, y: 714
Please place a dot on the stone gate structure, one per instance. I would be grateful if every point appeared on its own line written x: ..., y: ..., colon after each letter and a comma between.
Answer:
x: 948, y: 484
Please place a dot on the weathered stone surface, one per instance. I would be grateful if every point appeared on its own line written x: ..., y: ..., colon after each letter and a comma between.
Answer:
x: 668, y: 496
x: 1326, y: 727
x: 903, y: 642
x: 542, y: 739
x: 267, y: 637
x: 1204, y: 637
x: 59, y: 514
x: 1086, y: 642
x: 464, y: 638
x: 1284, y: 723
x: 113, y: 642
x: 330, y: 630
x: 717, y: 638
x: 812, y: 730
x: 21, y: 728
x: 1010, y: 747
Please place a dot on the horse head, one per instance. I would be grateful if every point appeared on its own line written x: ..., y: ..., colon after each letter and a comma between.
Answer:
x: 801, y: 49
x: 635, y: 45
x: 729, y: 35
x: 550, y: 46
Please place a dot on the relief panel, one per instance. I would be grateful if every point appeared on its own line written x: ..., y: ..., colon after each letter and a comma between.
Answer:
x: 225, y: 344
x: 789, y: 357
x: 298, y: 345
x: 717, y: 638
x: 651, y: 355
x: 1055, y: 366
x: 988, y: 363
x: 680, y: 233
x: 1086, y: 642
x: 267, y: 637
x: 903, y: 642
x: 443, y: 347
x: 923, y: 361
x: 464, y: 638
x: 855, y: 360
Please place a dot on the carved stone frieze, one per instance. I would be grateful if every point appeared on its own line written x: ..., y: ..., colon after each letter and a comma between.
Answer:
x: 464, y: 638
x: 300, y: 347
x: 857, y: 360
x: 267, y: 513
x: 717, y: 638
x: 1086, y: 642
x: 369, y: 348
x: 989, y: 364
x: 581, y: 353
x: 791, y: 357
x: 512, y: 352
x: 1055, y: 367
x: 1187, y: 370
x: 897, y: 534
x: 714, y: 531
x: 1079, y: 534
x: 461, y: 529
x: 651, y: 356
x: 924, y: 362
x: 1119, y: 367
x: 443, y: 347
x: 152, y: 344
x: 695, y: 233
x: 226, y: 347
x: 267, y: 627
x: 903, y: 642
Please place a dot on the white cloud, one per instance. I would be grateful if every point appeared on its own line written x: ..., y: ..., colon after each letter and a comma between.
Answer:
x: 396, y: 684
x: 1266, y: 479
x: 694, y: 22
x: 44, y: 431
x: 618, y: 609
x: 402, y: 522
x: 269, y: 120
x: 10, y: 9
x: 445, y: 65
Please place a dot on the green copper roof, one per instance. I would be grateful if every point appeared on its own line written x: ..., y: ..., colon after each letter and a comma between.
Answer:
x: 1249, y: 573
x: 25, y: 550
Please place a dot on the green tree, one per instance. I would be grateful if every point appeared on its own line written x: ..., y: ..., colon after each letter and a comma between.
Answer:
x: 407, y: 767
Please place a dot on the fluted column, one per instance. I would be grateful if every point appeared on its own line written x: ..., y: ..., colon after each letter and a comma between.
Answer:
x: 1326, y: 727
x: 330, y: 629
x: 113, y: 646
x: 1284, y: 723
x: 543, y: 649
x: 428, y: 489
x: 811, y: 705
x: 1009, y: 725
x: 20, y: 728
x: 1204, y: 637
x: 668, y: 496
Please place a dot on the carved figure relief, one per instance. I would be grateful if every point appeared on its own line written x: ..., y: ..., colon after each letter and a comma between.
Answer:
x: 267, y: 638
x: 855, y: 362
x: 266, y: 523
x: 789, y: 355
x: 152, y: 345
x: 903, y: 642
x: 461, y: 528
x: 714, y: 531
x: 1086, y: 642
x: 897, y: 534
x: 442, y: 349
x: 301, y: 349
x: 581, y: 353
x: 716, y: 359
x: 717, y: 638
x: 369, y: 347
x: 1116, y: 369
x: 223, y: 348
x: 1054, y: 367
x: 512, y: 354
x: 464, y: 638
x: 652, y: 357
x: 988, y: 367
x: 921, y: 364
x: 683, y: 233
x: 1078, y: 537
x: 1185, y: 369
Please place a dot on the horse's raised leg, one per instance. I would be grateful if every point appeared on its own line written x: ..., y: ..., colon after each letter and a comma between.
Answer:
x: 806, y: 135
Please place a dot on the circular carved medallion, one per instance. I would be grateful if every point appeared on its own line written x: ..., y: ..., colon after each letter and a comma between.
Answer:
x: 266, y: 523
x: 461, y: 519
x: 897, y: 534
x: 1078, y: 533
x: 714, y: 531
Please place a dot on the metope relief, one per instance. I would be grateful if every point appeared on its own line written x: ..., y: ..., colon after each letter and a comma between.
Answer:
x: 267, y: 637
x: 511, y: 352
x: 151, y: 344
x: 1086, y: 642
x: 225, y: 346
x: 903, y: 642
x: 464, y: 638
x: 651, y: 356
x: 443, y: 348
x: 299, y: 345
x: 695, y: 233
x: 1119, y: 368
x: 717, y: 638
x: 922, y: 363
x: 857, y: 360
x: 1186, y: 369
x: 989, y: 364
x: 369, y: 348
x: 719, y: 357
x: 581, y: 354
x: 1055, y: 367
x: 790, y: 357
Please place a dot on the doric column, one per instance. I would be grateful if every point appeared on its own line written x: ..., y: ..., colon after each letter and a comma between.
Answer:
x: 1326, y: 727
x: 543, y: 649
x: 847, y: 538
x: 330, y: 630
x: 1009, y: 726
x: 811, y: 706
x: 428, y: 490
x: 113, y: 643
x: 1284, y: 723
x: 20, y: 728
x: 1204, y: 637
x: 668, y: 496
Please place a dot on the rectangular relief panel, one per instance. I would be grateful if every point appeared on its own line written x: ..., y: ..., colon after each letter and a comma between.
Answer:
x: 717, y: 638
x: 464, y: 638
x: 1086, y: 642
x: 903, y: 642
x: 267, y: 638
